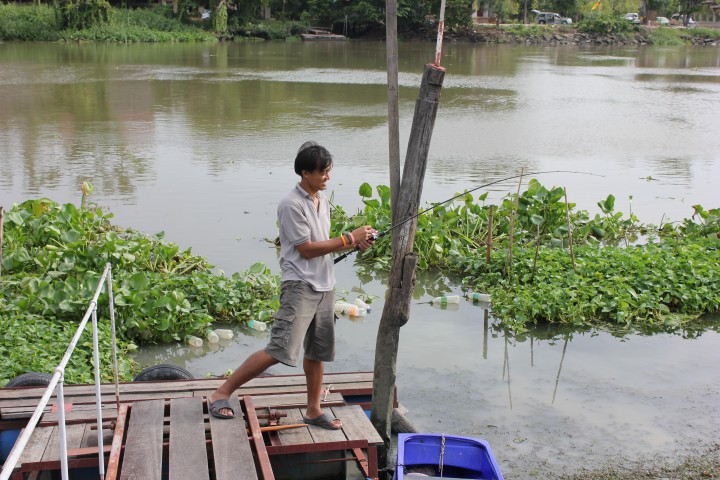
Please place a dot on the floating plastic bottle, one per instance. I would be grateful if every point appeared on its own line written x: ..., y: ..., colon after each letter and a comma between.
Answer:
x: 194, y: 341
x: 350, y: 309
x: 213, y: 337
x: 341, y: 307
x: 445, y: 300
x: 478, y: 297
x: 359, y: 302
x: 257, y: 325
x: 224, y: 334
x: 356, y: 311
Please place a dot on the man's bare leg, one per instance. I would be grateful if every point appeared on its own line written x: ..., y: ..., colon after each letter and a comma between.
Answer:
x: 253, y: 366
x: 314, y: 376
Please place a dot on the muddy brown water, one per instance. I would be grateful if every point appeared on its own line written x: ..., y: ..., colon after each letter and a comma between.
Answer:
x: 196, y: 141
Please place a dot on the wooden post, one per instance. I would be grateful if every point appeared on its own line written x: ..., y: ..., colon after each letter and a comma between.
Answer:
x: 1, y: 238
x: 396, y: 311
x: 509, y: 262
x: 567, y: 215
x: 488, y: 251
x: 393, y: 108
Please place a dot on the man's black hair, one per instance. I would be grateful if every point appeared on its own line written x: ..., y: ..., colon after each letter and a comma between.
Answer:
x: 312, y: 157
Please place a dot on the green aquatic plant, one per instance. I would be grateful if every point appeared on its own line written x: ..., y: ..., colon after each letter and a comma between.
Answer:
x: 622, y: 271
x: 53, y: 257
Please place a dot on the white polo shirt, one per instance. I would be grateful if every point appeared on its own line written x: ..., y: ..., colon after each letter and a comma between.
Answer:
x: 301, y: 222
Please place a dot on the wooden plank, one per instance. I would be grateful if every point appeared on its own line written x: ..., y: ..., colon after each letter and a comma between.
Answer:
x: 322, y: 435
x: 90, y: 437
x: 73, y: 434
x: 294, y: 436
x: 273, y: 381
x: 188, y: 454
x: 143, y: 448
x: 232, y: 453
x: 356, y: 425
x: 35, y: 448
x: 286, y: 400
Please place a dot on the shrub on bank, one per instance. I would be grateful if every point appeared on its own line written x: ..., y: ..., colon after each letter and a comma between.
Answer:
x: 28, y: 23
x: 666, y: 37
x: 605, y: 24
x: 43, y: 23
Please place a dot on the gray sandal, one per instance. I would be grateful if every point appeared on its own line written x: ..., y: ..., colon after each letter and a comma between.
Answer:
x: 323, y: 421
x: 215, y: 407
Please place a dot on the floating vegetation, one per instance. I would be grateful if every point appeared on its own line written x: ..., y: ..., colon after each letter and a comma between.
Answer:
x: 619, y: 272
x: 53, y: 257
x: 568, y: 266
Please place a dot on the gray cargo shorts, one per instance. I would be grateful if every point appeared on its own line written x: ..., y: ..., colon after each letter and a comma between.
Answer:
x: 305, y: 318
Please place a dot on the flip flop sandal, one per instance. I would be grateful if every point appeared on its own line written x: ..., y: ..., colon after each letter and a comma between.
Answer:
x: 323, y: 421
x: 215, y: 408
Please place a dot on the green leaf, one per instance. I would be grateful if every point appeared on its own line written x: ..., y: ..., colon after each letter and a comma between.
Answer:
x: 365, y: 190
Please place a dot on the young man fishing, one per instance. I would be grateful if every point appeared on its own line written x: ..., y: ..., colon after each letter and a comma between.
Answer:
x: 306, y: 317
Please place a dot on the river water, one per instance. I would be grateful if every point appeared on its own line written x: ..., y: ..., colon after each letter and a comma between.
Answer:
x: 197, y: 141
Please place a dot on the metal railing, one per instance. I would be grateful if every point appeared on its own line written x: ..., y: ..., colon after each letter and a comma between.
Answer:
x: 57, y: 383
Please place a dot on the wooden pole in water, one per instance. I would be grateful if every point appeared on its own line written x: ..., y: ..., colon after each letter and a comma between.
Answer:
x: 393, y: 108
x: 1, y: 238
x: 488, y: 250
x: 396, y: 311
x: 508, y: 264
x: 567, y: 215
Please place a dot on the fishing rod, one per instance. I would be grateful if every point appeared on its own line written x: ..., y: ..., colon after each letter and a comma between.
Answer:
x: 422, y: 212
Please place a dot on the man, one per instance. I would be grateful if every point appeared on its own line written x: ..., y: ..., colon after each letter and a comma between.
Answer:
x: 306, y: 316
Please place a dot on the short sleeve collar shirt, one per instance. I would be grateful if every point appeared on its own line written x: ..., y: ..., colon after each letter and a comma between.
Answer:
x: 301, y: 222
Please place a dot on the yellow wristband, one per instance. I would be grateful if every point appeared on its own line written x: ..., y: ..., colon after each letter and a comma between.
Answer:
x: 344, y: 242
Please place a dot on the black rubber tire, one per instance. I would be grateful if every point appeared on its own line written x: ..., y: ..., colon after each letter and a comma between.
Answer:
x: 30, y: 379
x: 164, y: 371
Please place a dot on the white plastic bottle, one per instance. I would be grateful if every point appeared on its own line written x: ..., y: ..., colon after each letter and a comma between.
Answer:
x: 194, y: 341
x: 446, y: 300
x: 341, y: 307
x: 359, y: 302
x: 213, y: 337
x: 224, y: 333
x: 257, y: 325
x: 355, y: 311
x: 478, y: 297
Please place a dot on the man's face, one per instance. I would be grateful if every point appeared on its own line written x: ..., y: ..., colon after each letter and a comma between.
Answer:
x: 317, y: 179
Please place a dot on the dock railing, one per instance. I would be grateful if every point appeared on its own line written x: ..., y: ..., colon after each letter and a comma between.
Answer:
x: 57, y: 382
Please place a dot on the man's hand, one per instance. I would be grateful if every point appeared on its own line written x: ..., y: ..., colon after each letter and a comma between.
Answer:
x: 364, y: 237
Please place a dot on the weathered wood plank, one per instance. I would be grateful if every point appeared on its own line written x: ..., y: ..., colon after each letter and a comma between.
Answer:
x: 287, y: 400
x: 143, y: 448
x: 232, y: 453
x: 36, y: 446
x: 322, y: 435
x: 295, y: 436
x: 273, y: 382
x: 356, y: 425
x: 73, y: 434
x: 188, y: 454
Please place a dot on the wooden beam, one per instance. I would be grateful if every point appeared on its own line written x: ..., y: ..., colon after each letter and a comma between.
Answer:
x: 396, y: 311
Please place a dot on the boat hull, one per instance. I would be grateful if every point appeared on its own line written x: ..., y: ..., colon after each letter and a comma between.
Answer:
x: 461, y: 457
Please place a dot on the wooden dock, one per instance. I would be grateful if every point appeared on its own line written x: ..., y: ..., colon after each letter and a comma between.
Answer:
x: 163, y: 430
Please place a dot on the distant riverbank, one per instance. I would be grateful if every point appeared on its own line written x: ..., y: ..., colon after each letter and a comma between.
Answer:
x: 567, y: 35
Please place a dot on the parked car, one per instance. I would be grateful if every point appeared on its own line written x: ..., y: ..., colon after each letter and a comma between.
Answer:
x: 550, y: 18
x: 678, y: 19
x: 633, y: 17
x: 662, y: 21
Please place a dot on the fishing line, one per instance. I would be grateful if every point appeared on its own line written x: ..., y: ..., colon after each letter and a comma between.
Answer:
x: 435, y: 205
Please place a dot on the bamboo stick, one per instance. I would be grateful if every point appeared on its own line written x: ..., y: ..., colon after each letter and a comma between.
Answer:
x: 567, y: 215
x: 508, y: 271
x: 537, y: 251
x: 488, y: 250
